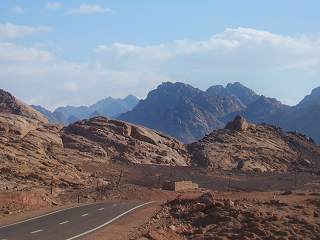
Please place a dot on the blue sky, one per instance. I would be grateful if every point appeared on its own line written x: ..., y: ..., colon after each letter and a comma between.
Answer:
x: 76, y: 52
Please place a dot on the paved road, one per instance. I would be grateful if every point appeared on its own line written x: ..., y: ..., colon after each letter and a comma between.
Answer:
x: 68, y: 224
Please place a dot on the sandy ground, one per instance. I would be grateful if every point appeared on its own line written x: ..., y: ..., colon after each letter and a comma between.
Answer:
x: 143, y: 182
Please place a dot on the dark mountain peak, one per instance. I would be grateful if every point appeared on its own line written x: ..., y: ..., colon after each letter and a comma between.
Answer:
x: 311, y: 99
x: 217, y: 90
x: 169, y: 92
x: 246, y: 95
x: 177, y: 86
x: 236, y: 85
x: 183, y: 111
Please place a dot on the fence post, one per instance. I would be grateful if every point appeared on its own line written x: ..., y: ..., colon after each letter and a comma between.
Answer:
x: 51, y: 186
x: 120, y: 177
x: 229, y: 182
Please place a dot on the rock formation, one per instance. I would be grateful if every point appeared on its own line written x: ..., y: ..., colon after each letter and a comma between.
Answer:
x: 248, y: 147
x: 119, y: 141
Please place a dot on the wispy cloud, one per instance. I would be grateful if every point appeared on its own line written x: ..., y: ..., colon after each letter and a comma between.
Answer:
x: 19, y: 9
x: 10, y: 30
x: 86, y: 9
x: 54, y: 5
x: 16, y: 54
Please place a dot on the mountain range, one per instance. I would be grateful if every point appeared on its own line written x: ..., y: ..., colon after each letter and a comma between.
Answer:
x: 33, y: 151
x: 188, y: 113
x: 109, y: 107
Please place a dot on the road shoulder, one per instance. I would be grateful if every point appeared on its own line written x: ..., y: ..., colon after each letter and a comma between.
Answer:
x: 127, y: 226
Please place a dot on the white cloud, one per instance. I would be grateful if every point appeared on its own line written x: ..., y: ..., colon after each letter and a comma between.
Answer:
x: 259, y: 59
x: 10, y: 30
x: 54, y: 5
x: 11, y: 53
x: 233, y: 49
x: 86, y: 9
x: 19, y: 9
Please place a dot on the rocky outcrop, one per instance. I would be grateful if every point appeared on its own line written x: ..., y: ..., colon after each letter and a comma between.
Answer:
x: 238, y: 124
x: 10, y: 105
x: 261, y: 148
x: 119, y: 141
x: 32, y: 154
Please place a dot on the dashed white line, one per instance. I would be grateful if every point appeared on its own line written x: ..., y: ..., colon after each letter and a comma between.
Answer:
x: 64, y: 222
x: 44, y: 215
x: 100, y: 209
x: 40, y: 230
x: 105, y: 224
x: 86, y: 214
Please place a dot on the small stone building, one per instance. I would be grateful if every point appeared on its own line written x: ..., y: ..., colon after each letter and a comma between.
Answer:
x: 179, y: 186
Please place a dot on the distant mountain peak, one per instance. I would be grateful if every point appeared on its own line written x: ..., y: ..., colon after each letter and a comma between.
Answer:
x: 246, y: 95
x: 109, y: 107
x: 312, y: 99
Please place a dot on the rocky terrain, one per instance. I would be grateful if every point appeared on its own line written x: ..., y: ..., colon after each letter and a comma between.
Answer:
x: 245, y: 146
x: 226, y: 218
x: 36, y: 153
x: 36, y: 156
x: 103, y: 138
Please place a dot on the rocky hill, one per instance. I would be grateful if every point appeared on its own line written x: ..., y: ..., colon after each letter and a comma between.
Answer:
x: 35, y: 153
x: 10, y: 105
x: 188, y: 113
x: 102, y: 138
x: 245, y: 146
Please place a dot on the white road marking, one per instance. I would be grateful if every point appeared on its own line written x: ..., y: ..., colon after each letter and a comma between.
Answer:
x: 40, y: 230
x: 110, y: 221
x: 64, y: 222
x: 86, y: 214
x: 44, y: 215
x: 100, y: 209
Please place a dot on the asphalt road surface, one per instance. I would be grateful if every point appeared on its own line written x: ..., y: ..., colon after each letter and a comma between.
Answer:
x: 68, y: 224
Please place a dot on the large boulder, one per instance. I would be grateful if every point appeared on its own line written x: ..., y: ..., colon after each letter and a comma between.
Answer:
x: 238, y: 124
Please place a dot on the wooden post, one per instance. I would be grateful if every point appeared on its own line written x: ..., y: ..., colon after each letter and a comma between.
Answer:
x: 78, y: 198
x: 229, y: 182
x: 120, y: 177
x: 51, y: 186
